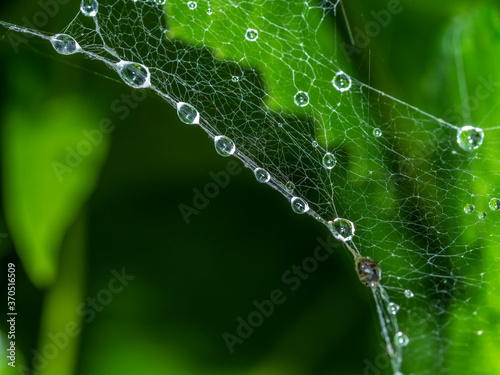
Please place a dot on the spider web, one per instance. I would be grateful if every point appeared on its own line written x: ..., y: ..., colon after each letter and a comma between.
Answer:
x: 396, y: 172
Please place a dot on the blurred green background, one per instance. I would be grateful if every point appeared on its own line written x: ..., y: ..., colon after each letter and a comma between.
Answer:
x: 119, y: 209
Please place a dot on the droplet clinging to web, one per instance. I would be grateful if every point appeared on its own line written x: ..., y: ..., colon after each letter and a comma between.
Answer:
x: 409, y: 293
x: 224, y: 145
x: 262, y: 175
x: 64, y: 44
x: 209, y: 11
x: 401, y: 339
x: 482, y: 215
x: 299, y: 205
x: 342, y: 81
x: 290, y: 186
x: 377, y: 132
x: 252, y: 35
x: 329, y: 161
x: 160, y: 2
x: 368, y: 271
x: 470, y: 138
x: 343, y: 229
x: 469, y: 208
x: 188, y: 114
x: 301, y: 98
x: 494, y: 204
x: 134, y: 74
x: 89, y: 8
x: 192, y: 5
x: 235, y: 78
x: 393, y: 308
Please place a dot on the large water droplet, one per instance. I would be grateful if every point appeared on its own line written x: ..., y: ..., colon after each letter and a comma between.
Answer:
x: 329, y: 161
x: 224, y: 145
x: 482, y: 215
x: 470, y: 138
x: 368, y: 271
x: 134, y: 74
x: 188, y: 114
x: 401, y: 339
x: 301, y: 98
x: 393, y: 308
x: 377, y: 132
x: 469, y: 208
x: 252, y: 35
x: 299, y: 205
x: 342, y: 81
x: 495, y: 204
x: 409, y: 293
x: 89, y: 8
x: 290, y: 186
x: 262, y: 175
x: 343, y: 229
x: 192, y: 5
x: 64, y: 44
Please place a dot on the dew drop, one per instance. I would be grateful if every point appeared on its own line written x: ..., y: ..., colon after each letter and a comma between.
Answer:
x: 482, y: 215
x: 262, y: 175
x: 329, y: 160
x: 377, y: 132
x: 469, y: 208
x: 160, y: 2
x: 479, y: 333
x: 495, y: 204
x: 224, y: 145
x: 299, y: 205
x: 209, y: 11
x: 301, y: 98
x: 64, y: 44
x: 401, y: 339
x: 89, y: 8
x: 409, y: 293
x: 393, y: 308
x: 470, y: 138
x: 192, y: 5
x: 252, y: 35
x: 343, y: 229
x: 235, y: 78
x: 342, y: 81
x: 314, y: 144
x: 368, y: 271
x: 188, y: 114
x: 134, y: 74
x: 290, y: 186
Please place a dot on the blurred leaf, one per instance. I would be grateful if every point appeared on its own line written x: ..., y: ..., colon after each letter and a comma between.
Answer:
x: 51, y: 165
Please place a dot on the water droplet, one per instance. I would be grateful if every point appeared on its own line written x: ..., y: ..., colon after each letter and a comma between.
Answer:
x: 209, y: 11
x: 290, y: 186
x: 495, y: 204
x: 192, y: 5
x: 401, y: 339
x: 134, y: 74
x: 482, y: 215
x: 470, y: 138
x: 64, y: 44
x: 469, y: 208
x: 343, y: 229
x: 89, y: 8
x: 479, y: 333
x: 393, y: 308
x: 314, y: 144
x: 160, y: 2
x: 409, y: 293
x: 224, y: 145
x: 299, y: 205
x: 188, y: 114
x: 342, y: 81
x: 301, y: 98
x: 368, y: 271
x: 235, y: 78
x: 252, y: 35
x: 262, y: 175
x: 377, y: 132
x: 329, y: 160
